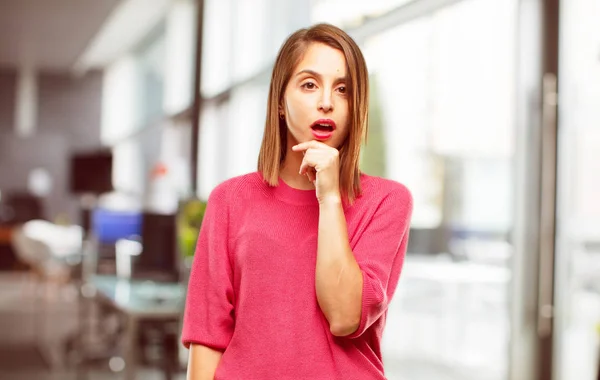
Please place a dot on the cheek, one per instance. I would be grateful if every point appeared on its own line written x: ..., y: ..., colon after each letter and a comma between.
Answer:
x: 345, y: 116
x: 295, y: 110
x: 345, y: 119
x: 290, y: 105
x: 345, y: 133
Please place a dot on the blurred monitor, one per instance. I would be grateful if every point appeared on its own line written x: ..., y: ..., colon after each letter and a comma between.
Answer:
x: 91, y: 172
x: 159, y: 258
x: 111, y: 225
x: 21, y: 207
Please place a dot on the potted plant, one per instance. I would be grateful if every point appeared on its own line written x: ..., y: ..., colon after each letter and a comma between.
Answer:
x: 189, y: 221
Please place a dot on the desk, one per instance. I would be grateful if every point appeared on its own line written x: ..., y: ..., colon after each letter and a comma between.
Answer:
x: 138, y: 300
x: 8, y: 260
x: 468, y: 297
x: 448, y: 272
x: 5, y: 234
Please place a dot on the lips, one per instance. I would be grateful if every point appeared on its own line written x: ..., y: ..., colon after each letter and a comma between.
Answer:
x: 322, y: 129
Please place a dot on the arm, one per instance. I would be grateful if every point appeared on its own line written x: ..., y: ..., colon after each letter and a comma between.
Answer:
x: 208, y: 320
x: 338, y: 277
x: 202, y: 363
x: 368, y: 267
x: 354, y: 280
x: 339, y: 280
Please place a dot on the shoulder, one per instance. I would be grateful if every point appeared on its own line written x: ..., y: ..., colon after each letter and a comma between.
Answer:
x: 386, y: 198
x: 377, y: 189
x: 237, y: 187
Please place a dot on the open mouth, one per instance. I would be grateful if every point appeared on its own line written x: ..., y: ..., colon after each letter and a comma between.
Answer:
x: 323, y: 126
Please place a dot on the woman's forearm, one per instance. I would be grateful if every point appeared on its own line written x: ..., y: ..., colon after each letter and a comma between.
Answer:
x: 339, y: 279
x: 203, y: 362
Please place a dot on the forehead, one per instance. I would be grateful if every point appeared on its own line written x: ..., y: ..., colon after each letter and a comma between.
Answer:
x: 323, y: 59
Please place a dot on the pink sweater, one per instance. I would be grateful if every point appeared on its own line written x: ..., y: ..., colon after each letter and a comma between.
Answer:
x: 252, y: 287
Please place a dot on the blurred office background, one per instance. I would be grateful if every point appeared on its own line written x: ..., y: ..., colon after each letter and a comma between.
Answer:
x: 118, y: 118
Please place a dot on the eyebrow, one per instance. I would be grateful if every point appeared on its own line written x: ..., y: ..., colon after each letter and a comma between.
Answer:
x: 316, y: 74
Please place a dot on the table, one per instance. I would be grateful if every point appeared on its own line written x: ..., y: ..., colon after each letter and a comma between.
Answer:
x: 8, y: 260
x: 5, y: 234
x: 448, y: 272
x: 137, y: 300
x: 460, y: 284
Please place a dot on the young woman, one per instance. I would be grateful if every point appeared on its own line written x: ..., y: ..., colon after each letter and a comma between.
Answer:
x: 296, y: 263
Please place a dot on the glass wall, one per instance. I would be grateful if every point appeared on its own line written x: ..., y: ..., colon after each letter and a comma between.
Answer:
x: 578, y: 240
x: 441, y: 122
x: 340, y: 13
x: 443, y: 104
x: 241, y: 40
x: 146, y: 94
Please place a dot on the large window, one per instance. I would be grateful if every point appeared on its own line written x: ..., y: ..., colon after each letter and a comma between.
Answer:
x: 578, y: 245
x: 442, y: 101
x: 347, y: 14
x: 241, y: 40
x: 146, y: 92
x: 441, y: 122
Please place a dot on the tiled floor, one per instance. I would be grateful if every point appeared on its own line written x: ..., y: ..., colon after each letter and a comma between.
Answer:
x: 70, y: 375
x: 421, y: 342
x: 446, y: 322
x: 434, y: 332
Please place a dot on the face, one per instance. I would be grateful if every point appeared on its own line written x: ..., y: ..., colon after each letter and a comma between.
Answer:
x: 315, y: 101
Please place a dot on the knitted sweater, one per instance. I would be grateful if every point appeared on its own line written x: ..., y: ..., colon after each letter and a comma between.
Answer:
x: 252, y: 293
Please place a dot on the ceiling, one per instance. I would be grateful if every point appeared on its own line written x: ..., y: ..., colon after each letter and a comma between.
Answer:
x: 49, y: 34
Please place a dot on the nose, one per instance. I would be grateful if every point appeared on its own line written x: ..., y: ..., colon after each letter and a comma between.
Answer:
x: 325, y: 104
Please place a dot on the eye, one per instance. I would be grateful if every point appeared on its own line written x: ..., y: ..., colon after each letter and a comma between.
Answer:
x: 309, y: 86
x: 342, y: 89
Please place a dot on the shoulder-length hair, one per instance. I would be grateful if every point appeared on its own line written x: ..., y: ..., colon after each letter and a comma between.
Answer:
x: 274, y: 144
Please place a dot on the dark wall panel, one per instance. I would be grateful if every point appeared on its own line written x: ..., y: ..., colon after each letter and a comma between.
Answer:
x: 8, y: 89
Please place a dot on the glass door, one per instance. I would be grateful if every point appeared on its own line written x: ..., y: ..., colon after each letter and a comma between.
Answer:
x: 443, y: 123
x: 577, y: 286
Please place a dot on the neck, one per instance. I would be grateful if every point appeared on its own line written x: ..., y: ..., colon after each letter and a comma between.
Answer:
x: 291, y: 166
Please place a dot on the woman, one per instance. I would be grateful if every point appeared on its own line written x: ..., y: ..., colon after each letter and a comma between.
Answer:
x: 295, y: 264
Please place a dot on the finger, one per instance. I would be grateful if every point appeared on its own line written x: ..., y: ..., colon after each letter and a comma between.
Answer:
x: 308, y: 145
x: 311, y: 174
x: 306, y: 168
x: 303, y: 167
x: 307, y: 161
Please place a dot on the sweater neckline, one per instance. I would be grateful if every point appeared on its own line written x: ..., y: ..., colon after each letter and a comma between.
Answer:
x: 292, y: 195
x: 295, y: 196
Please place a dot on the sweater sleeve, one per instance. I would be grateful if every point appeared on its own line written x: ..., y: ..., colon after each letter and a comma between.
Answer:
x: 208, y: 317
x: 379, y: 252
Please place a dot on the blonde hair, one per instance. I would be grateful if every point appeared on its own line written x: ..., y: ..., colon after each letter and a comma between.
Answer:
x: 274, y: 144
